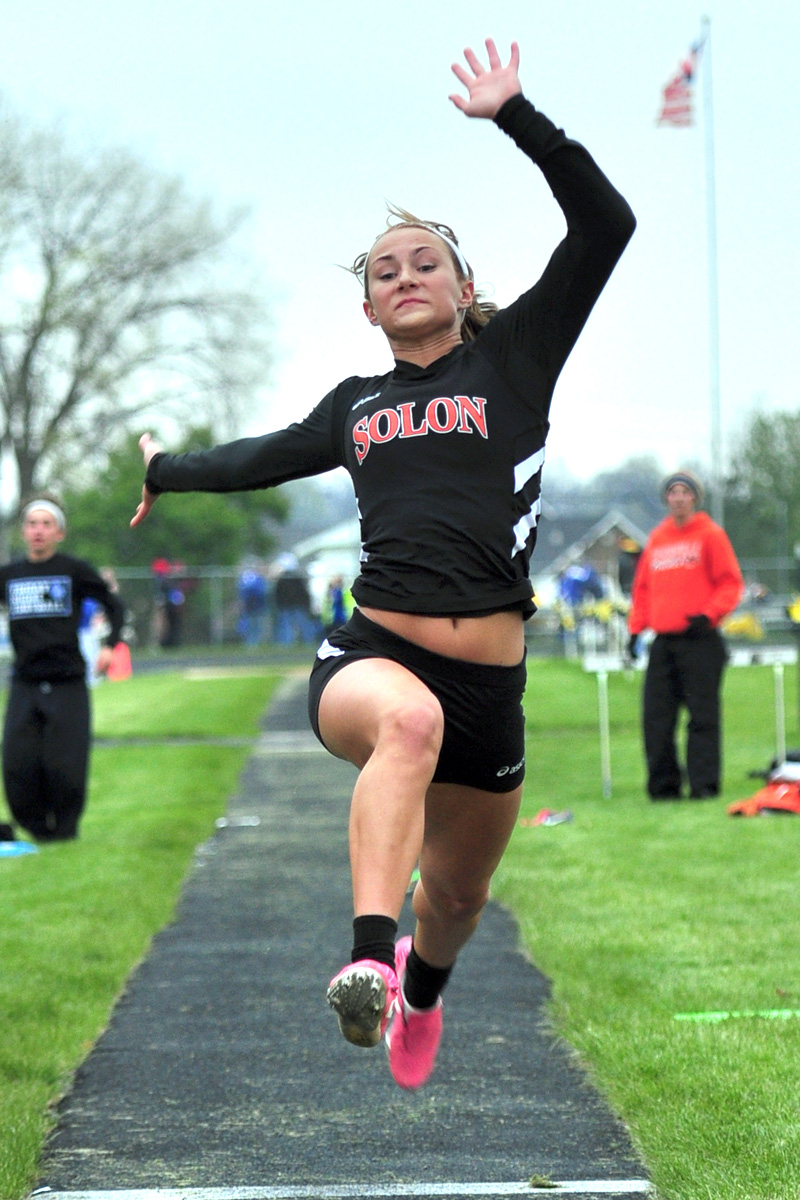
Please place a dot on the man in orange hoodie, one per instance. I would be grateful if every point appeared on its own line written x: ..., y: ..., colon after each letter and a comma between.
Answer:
x: 686, y: 581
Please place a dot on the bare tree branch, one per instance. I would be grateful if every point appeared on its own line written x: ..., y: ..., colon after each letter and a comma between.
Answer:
x: 120, y: 297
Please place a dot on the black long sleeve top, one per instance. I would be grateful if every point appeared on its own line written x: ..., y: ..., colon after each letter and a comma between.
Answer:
x: 446, y: 460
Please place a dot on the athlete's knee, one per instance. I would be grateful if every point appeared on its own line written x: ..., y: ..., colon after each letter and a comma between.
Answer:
x: 454, y: 903
x: 416, y: 725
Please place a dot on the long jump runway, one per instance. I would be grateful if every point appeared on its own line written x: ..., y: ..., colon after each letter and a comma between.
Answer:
x: 222, y: 1074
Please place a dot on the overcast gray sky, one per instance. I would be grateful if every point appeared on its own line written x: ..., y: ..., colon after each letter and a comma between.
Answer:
x: 314, y: 113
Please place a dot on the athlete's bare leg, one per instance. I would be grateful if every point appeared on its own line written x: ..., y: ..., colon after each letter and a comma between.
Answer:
x: 380, y: 717
x: 466, y: 833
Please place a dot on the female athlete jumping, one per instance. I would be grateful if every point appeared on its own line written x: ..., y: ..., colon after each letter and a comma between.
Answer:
x: 422, y: 688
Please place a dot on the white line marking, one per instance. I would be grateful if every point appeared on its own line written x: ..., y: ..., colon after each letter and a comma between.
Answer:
x: 568, y: 1187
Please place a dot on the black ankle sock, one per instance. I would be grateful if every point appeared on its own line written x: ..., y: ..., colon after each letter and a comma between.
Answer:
x: 422, y: 983
x: 374, y: 937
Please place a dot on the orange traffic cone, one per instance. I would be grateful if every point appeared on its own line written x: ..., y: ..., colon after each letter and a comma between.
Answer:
x: 120, y: 665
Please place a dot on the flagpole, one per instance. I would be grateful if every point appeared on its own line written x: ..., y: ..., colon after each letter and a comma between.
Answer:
x: 717, y: 497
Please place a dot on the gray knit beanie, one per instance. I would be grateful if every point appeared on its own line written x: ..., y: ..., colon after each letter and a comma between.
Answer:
x: 686, y: 477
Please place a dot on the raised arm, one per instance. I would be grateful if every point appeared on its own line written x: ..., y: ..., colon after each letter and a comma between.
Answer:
x: 543, y: 324
x: 590, y: 203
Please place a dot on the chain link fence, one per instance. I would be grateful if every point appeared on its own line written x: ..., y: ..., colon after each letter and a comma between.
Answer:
x: 203, y: 602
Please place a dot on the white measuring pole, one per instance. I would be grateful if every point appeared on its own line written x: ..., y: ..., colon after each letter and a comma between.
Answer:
x: 778, y: 657
x: 600, y: 665
x: 605, y: 734
x: 780, y: 714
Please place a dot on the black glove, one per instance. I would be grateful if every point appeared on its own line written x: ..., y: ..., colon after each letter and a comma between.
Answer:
x: 698, y: 626
x: 633, y: 645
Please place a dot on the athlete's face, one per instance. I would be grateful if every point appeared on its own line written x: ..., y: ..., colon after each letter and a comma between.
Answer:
x: 413, y: 288
x: 680, y: 502
x: 41, y: 533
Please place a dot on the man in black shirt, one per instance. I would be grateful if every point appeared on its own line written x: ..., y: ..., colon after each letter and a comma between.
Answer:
x: 47, y: 722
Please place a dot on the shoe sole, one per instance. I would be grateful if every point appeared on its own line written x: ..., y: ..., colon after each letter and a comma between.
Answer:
x: 359, y: 1001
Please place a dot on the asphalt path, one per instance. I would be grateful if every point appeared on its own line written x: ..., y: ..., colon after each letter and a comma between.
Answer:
x: 222, y: 1075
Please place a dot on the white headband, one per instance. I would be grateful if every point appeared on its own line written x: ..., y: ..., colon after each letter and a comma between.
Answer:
x: 462, y: 262
x: 49, y: 507
x: 459, y: 257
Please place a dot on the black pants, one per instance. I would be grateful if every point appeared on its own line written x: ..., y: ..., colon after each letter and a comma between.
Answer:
x: 683, y: 671
x: 46, y: 756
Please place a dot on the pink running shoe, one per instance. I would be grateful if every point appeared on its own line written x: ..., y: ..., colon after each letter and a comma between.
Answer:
x: 363, y: 995
x: 414, y: 1037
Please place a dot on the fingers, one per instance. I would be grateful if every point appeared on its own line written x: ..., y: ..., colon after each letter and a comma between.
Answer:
x: 146, y: 503
x: 487, y: 89
x: 461, y: 75
x: 138, y: 516
x: 474, y: 61
x: 477, y: 68
x: 494, y: 57
x: 149, y: 449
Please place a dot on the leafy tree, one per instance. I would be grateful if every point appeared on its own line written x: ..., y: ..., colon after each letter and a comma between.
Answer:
x: 638, y: 478
x: 119, y: 297
x: 196, y: 528
x: 634, y: 487
x: 762, y: 506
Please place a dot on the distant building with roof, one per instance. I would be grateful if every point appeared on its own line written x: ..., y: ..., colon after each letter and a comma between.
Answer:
x: 586, y: 533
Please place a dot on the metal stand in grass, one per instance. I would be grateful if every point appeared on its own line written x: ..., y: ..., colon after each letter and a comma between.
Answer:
x: 600, y: 665
x: 777, y: 657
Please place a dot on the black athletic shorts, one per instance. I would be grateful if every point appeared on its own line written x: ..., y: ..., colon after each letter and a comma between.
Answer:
x: 484, y: 725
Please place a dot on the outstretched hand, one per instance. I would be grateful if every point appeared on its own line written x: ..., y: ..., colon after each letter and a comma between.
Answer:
x: 149, y: 449
x: 488, y: 90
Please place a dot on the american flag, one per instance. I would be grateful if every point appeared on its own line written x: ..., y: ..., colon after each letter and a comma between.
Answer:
x: 676, y: 105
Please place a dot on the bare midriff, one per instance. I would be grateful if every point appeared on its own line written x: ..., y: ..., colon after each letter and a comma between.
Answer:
x: 497, y: 639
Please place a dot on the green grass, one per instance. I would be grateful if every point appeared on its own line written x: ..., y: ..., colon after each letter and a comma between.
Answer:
x: 635, y: 911
x: 77, y: 917
x: 196, y: 702
x: 638, y: 911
